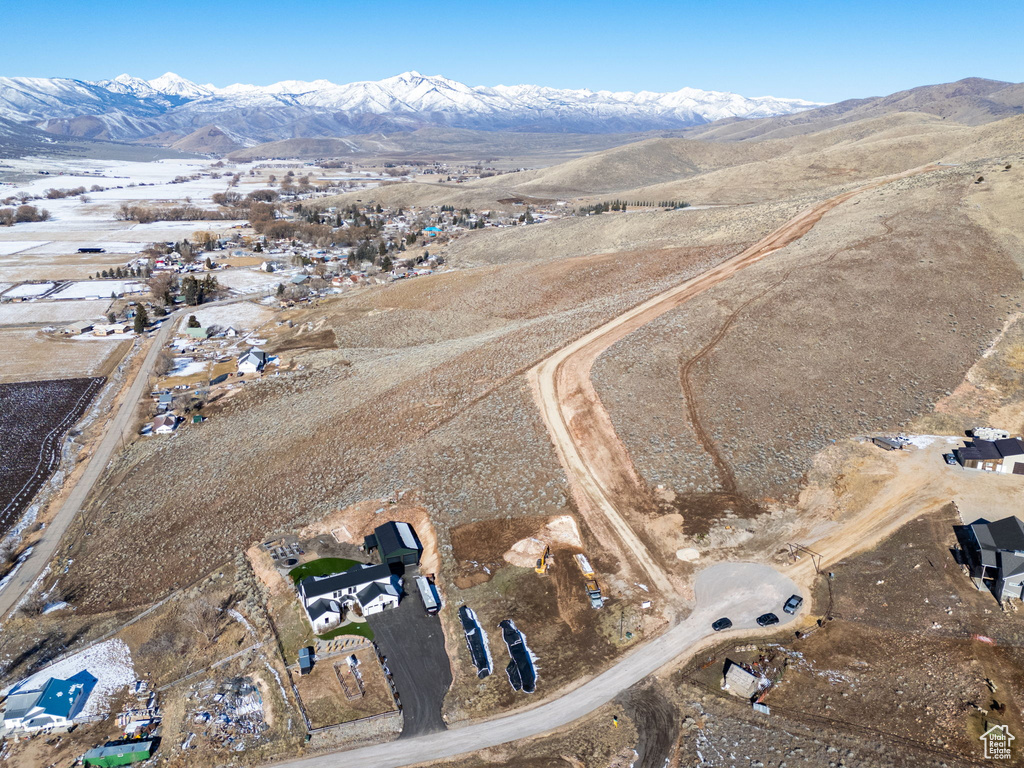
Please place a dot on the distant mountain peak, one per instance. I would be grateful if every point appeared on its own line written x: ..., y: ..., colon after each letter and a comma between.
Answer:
x: 172, y: 84
x: 132, y: 108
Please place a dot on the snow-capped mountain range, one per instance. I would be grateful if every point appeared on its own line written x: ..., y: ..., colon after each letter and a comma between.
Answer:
x: 129, y: 108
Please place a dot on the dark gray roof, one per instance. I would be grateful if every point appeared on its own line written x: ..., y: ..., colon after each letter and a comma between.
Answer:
x: 1006, y: 535
x: 353, y: 577
x: 989, y: 450
x: 320, y: 607
x: 369, y: 593
x: 979, y: 450
x: 396, y: 538
x: 1010, y: 446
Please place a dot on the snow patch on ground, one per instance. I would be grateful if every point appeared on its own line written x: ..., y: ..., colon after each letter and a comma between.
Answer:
x: 109, y: 662
x: 923, y: 441
x: 186, y: 366
x: 240, y: 316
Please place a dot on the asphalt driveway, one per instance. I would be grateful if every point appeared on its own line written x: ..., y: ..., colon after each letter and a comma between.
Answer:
x: 413, y: 645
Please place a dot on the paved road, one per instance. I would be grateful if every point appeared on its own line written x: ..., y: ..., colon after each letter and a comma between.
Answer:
x: 741, y: 591
x: 44, y: 549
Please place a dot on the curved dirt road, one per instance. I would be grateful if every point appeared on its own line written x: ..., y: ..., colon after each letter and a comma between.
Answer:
x: 44, y: 549
x: 741, y: 591
x: 601, y: 474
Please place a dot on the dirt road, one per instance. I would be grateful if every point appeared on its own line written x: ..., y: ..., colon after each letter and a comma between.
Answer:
x: 741, y: 591
x: 44, y: 549
x: 604, y: 482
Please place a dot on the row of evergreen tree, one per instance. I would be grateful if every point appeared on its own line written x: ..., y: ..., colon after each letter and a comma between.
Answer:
x: 622, y: 205
x: 123, y: 272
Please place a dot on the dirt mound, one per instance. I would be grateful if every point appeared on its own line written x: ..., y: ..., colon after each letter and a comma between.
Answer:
x: 560, y: 533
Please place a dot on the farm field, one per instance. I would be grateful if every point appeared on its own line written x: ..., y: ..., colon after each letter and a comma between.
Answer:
x: 30, y: 355
x: 56, y: 313
x: 34, y: 417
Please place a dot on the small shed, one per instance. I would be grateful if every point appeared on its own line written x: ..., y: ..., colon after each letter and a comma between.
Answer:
x: 740, y: 681
x: 306, y: 660
x: 119, y: 754
x: 396, y: 543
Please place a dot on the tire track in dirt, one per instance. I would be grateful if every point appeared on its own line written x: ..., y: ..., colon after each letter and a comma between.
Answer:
x: 726, y: 474
x: 601, y: 475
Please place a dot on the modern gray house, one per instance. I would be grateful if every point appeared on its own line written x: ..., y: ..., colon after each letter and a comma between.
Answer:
x: 995, y: 555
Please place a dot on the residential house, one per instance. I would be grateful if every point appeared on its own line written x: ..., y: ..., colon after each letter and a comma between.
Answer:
x: 165, y: 424
x: 299, y: 280
x: 252, y: 361
x: 54, y: 704
x: 370, y: 588
x: 1005, y: 456
x: 164, y: 402
x: 197, y: 333
x: 995, y: 555
x: 396, y: 543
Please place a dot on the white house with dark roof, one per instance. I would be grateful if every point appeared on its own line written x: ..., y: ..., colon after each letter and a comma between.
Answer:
x: 373, y: 588
x: 252, y: 361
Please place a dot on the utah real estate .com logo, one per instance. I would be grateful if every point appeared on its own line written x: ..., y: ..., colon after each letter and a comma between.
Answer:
x: 997, y: 741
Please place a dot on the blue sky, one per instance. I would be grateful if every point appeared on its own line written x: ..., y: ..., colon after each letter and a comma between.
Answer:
x: 818, y: 51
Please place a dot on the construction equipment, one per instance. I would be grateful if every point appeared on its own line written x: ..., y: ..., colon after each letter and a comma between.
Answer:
x: 590, y: 579
x: 584, y: 564
x: 545, y: 560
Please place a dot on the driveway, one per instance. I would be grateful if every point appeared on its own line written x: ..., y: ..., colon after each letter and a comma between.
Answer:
x: 742, y: 591
x: 413, y: 644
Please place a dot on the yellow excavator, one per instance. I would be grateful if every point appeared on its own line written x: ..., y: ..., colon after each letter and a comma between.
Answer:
x: 545, y: 560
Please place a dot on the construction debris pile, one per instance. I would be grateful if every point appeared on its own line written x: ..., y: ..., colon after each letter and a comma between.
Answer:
x: 141, y: 716
x: 226, y: 714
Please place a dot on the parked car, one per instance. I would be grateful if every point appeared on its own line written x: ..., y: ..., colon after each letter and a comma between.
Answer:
x: 767, y: 619
x: 793, y: 604
x: 721, y: 624
x: 950, y: 459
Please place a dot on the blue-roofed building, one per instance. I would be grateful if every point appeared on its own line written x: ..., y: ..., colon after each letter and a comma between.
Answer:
x: 54, y: 704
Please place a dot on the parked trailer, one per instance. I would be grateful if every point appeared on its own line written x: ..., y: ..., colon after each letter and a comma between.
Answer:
x: 428, y: 594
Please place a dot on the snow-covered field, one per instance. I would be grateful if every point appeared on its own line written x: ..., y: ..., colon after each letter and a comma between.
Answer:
x: 242, y: 315
x: 110, y: 663
x: 94, y: 289
x: 17, y: 246
x: 28, y: 290
x: 59, y: 247
x: 249, y: 280
x: 52, y: 312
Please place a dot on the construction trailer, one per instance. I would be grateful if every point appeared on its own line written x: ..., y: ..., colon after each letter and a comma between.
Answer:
x: 118, y: 754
